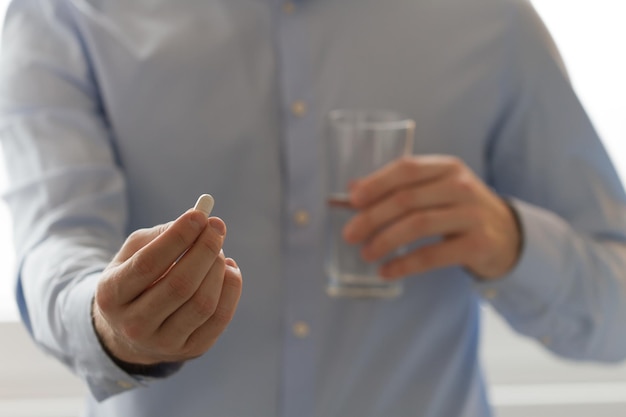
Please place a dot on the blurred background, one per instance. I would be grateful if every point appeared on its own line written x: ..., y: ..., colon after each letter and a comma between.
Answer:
x: 524, y: 379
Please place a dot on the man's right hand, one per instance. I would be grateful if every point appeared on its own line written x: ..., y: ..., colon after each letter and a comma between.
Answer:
x: 152, y: 307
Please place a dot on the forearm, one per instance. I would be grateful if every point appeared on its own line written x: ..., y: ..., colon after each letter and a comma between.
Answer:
x: 58, y: 283
x: 66, y: 193
x: 567, y: 290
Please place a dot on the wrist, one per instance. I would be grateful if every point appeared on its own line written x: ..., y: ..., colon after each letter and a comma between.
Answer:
x: 107, y: 341
x: 508, y: 250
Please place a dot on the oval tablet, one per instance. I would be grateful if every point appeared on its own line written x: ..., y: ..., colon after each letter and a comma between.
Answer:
x: 205, y: 204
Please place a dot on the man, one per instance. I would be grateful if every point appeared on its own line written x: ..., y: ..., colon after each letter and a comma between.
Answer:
x: 117, y: 114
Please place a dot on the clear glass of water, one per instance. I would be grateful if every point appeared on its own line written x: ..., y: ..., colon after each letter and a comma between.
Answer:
x: 359, y: 143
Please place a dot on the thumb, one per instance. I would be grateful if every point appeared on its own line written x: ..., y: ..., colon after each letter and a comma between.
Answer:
x: 137, y: 240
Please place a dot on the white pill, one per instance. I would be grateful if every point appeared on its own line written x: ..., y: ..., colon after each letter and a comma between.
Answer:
x: 205, y: 204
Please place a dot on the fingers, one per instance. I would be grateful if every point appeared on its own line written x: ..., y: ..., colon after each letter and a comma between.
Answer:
x: 149, y: 263
x: 165, y: 284
x: 199, y: 308
x: 440, y: 192
x: 185, y: 277
x: 138, y: 240
x: 400, y: 174
x: 418, y: 225
x: 452, y: 251
x: 433, y: 195
x: 206, y: 335
x: 188, y: 333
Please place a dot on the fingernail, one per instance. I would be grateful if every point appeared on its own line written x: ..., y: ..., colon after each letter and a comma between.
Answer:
x: 231, y: 262
x: 218, y: 226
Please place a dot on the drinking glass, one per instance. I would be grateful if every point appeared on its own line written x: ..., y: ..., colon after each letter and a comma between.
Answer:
x: 359, y: 143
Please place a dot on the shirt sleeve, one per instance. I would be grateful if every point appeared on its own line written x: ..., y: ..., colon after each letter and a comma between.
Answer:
x: 568, y: 289
x: 66, y: 192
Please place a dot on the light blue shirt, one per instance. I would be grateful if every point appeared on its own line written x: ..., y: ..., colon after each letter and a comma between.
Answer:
x: 117, y: 114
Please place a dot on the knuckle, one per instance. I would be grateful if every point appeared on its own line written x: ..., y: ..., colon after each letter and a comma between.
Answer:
x: 463, y: 185
x: 178, y: 235
x: 212, y: 245
x: 131, y: 330
x: 142, y: 265
x: 222, y: 317
x: 166, y: 345
x: 455, y: 163
x: 204, y: 306
x: 403, y: 199
x: 195, y: 347
x: 162, y: 228
x: 407, y: 165
x: 234, y: 281
x: 104, y: 297
x: 179, y: 286
x: 136, y: 236
x: 220, y: 263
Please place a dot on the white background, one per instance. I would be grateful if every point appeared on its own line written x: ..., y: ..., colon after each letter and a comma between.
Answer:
x: 525, y: 380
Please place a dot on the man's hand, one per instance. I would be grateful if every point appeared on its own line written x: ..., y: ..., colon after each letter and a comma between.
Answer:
x: 433, y: 196
x: 169, y: 293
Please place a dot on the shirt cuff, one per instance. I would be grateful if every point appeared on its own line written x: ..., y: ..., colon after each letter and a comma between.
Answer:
x: 527, y: 294
x: 92, y: 363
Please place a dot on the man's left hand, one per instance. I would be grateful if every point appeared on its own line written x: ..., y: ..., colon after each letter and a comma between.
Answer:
x: 433, y: 196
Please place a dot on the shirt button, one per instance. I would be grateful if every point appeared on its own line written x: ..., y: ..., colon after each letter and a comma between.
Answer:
x: 301, y: 329
x: 124, y: 384
x: 288, y: 7
x: 298, y: 108
x: 490, y: 294
x: 302, y: 217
